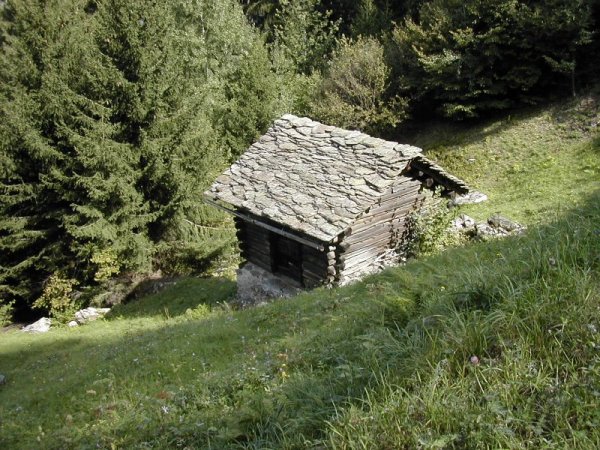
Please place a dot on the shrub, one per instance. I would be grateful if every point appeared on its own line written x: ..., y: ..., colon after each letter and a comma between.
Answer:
x: 107, y: 265
x: 428, y: 232
x: 57, y: 297
x: 354, y: 92
x: 465, y: 57
x: 6, y: 312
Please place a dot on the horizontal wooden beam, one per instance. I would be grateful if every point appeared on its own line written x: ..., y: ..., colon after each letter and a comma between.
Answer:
x: 276, y: 230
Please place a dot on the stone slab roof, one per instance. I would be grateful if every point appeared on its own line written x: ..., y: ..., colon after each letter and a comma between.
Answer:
x: 310, y: 177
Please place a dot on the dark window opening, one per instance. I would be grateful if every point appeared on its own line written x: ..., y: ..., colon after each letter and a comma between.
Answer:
x: 286, y: 257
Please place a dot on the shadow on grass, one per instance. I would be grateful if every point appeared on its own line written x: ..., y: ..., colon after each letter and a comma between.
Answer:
x: 250, y: 378
x: 447, y: 133
x: 210, y: 383
x: 178, y: 296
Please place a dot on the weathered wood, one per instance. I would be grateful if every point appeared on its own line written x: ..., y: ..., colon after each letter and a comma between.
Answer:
x: 274, y: 229
x: 255, y: 243
x: 308, y: 251
x: 377, y: 213
x: 368, y: 232
x: 384, y: 236
x: 348, y: 267
x: 356, y: 250
x: 251, y: 254
x: 375, y: 234
x: 356, y: 269
x: 254, y: 239
x: 259, y: 262
x: 257, y: 233
x: 383, y: 242
x: 317, y: 264
x: 260, y: 253
x: 399, y: 195
x: 313, y: 276
x: 392, y: 204
x: 377, y: 227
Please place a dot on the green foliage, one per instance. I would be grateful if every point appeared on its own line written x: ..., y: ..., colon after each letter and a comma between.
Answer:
x: 371, y: 20
x: 6, y: 313
x: 385, y: 363
x: 486, y: 349
x: 346, y: 368
x: 303, y: 34
x: 57, y: 296
x: 113, y: 120
x: 354, y: 92
x: 519, y: 160
x: 465, y: 58
x: 429, y: 232
x: 106, y: 265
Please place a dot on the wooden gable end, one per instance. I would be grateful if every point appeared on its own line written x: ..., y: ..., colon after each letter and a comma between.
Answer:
x: 380, y: 228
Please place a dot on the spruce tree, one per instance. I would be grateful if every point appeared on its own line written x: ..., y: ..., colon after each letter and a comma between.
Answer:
x: 115, y: 115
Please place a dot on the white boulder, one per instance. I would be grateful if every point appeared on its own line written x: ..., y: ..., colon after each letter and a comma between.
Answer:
x: 88, y: 314
x: 41, y: 326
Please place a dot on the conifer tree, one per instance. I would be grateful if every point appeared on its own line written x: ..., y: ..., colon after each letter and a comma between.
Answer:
x: 115, y: 115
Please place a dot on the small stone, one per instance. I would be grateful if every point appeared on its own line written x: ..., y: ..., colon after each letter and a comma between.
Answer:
x: 2, y: 379
x: 41, y: 326
x: 483, y: 230
x: 88, y: 314
x: 503, y: 223
x: 73, y: 323
x: 474, y: 360
x: 468, y: 199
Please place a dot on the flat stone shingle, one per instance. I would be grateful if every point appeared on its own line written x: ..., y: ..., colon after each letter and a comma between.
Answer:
x: 314, y: 178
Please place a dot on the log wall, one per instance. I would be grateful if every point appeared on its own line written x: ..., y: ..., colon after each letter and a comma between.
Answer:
x: 255, y: 246
x: 379, y: 229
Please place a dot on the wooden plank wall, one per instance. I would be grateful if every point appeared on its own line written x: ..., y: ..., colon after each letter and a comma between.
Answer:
x: 314, y: 267
x: 379, y: 229
x: 255, y: 246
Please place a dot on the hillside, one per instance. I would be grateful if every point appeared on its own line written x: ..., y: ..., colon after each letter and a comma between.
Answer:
x: 490, y: 345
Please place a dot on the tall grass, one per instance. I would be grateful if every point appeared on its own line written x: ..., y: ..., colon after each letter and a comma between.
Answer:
x: 387, y: 363
x: 508, y: 352
x: 492, y: 345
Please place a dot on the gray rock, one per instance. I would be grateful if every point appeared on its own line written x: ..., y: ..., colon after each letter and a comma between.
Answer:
x: 255, y: 285
x: 73, y: 323
x: 484, y: 230
x: 468, y: 199
x: 41, y: 326
x: 463, y: 223
x: 2, y: 379
x: 89, y: 314
x: 498, y: 221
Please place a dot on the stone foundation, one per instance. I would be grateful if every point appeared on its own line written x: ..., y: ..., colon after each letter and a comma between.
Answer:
x: 256, y: 285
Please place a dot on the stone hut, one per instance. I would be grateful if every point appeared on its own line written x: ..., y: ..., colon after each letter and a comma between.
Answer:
x: 315, y: 204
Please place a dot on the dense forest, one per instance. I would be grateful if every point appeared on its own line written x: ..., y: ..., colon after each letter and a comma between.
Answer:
x: 115, y: 115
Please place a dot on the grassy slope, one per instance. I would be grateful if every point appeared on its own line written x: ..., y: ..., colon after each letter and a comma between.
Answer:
x: 381, y: 364
x: 532, y: 166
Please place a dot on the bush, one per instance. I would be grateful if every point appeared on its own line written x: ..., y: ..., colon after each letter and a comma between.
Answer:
x: 57, y: 297
x: 354, y: 92
x: 466, y: 57
x: 6, y: 313
x: 428, y: 233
